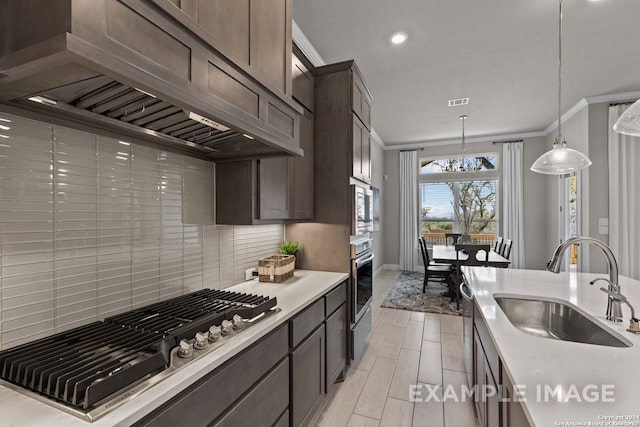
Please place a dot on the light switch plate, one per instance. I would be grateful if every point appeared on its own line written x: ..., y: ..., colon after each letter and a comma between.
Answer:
x: 603, y: 222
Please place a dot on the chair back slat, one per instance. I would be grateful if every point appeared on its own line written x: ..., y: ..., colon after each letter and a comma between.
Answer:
x: 451, y: 238
x: 506, y: 248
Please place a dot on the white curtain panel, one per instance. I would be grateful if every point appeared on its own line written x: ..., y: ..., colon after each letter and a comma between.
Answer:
x: 408, y: 210
x: 512, y: 206
x: 624, y: 201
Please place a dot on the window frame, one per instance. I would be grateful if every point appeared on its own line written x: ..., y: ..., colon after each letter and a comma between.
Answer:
x: 444, y: 177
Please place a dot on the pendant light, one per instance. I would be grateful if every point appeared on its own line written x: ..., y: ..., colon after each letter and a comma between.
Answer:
x: 560, y: 160
x: 629, y: 122
x: 462, y: 164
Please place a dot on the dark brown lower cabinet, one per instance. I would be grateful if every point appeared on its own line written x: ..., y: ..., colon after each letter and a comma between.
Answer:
x: 250, y: 378
x: 308, y: 377
x: 336, y: 345
x: 279, y: 381
x: 512, y: 413
x: 495, y: 405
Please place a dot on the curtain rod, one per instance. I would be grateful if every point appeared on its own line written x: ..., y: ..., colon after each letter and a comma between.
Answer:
x: 506, y: 142
x: 415, y: 149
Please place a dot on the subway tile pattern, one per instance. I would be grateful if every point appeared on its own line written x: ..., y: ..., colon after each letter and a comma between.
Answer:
x: 92, y: 226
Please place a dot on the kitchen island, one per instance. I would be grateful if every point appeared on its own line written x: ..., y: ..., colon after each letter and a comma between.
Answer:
x: 561, y: 382
x: 305, y: 289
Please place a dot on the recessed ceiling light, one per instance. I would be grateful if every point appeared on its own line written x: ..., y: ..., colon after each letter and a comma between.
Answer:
x: 398, y: 38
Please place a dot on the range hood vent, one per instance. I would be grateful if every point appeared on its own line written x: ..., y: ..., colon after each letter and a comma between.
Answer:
x: 101, y: 101
x: 173, y: 90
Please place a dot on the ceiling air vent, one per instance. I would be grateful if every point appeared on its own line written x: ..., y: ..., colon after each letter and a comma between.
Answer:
x: 457, y: 102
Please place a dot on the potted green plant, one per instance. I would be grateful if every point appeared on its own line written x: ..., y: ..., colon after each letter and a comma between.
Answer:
x: 289, y: 248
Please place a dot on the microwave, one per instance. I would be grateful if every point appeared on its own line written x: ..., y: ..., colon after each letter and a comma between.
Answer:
x: 362, y: 211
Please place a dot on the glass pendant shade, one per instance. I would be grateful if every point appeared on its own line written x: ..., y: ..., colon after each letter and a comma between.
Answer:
x: 560, y: 160
x: 629, y: 122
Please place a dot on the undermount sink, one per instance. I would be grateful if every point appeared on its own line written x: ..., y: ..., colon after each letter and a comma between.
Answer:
x: 558, y: 320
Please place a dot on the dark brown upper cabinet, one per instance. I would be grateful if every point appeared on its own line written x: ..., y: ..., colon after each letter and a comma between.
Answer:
x: 343, y: 123
x: 272, y: 190
x: 158, y: 71
x: 302, y: 77
x: 254, y: 34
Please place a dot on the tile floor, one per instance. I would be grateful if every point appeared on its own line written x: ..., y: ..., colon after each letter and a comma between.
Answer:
x: 405, y: 348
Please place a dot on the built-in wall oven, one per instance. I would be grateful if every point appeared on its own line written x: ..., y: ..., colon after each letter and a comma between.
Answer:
x: 362, y: 212
x: 361, y: 295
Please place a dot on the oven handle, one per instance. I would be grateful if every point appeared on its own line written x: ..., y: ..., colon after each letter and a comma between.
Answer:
x: 363, y: 261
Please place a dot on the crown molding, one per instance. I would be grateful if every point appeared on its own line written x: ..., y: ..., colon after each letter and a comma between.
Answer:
x: 305, y: 46
x: 377, y: 139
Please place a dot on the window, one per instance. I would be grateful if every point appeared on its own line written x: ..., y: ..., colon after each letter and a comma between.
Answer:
x: 454, y: 201
x: 472, y: 163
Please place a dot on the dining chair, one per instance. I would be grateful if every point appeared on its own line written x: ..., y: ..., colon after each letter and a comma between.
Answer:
x: 477, y: 254
x: 451, y: 238
x: 506, y: 248
x: 438, y: 272
x: 497, y: 244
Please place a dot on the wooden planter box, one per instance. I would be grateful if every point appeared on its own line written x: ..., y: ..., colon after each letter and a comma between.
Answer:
x: 276, y: 268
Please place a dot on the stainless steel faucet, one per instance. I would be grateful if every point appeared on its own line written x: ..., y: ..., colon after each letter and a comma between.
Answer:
x: 614, y: 307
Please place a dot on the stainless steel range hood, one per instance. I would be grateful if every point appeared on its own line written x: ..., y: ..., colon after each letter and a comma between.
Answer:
x: 66, y: 61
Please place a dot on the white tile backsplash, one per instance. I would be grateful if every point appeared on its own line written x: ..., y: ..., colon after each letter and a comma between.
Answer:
x: 92, y: 226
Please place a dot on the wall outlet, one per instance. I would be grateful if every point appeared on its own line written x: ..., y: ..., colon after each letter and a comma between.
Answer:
x: 248, y: 273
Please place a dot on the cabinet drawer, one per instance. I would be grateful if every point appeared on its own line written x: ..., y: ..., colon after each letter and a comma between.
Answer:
x: 336, y: 297
x: 210, y: 397
x: 264, y: 404
x: 304, y: 323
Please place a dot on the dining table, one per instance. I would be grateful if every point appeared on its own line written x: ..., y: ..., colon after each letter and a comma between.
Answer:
x: 447, y: 254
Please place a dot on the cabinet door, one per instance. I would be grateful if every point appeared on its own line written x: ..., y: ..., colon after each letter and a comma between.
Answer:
x: 479, y: 378
x: 336, y: 344
x: 301, y: 173
x: 358, y: 135
x: 273, y: 188
x: 302, y: 78
x: 491, y: 398
x: 512, y: 413
x: 271, y: 41
x: 308, y: 377
x: 228, y: 22
x: 366, y: 156
x: 360, y: 102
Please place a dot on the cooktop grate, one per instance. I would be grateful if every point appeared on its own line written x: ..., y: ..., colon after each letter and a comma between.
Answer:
x: 83, y: 367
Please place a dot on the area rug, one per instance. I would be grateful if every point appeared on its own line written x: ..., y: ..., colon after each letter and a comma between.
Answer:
x: 407, y: 295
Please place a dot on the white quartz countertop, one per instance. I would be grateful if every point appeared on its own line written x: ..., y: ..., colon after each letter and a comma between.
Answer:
x: 597, y: 384
x: 293, y: 295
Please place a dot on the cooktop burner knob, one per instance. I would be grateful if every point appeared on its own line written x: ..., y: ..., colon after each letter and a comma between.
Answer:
x: 186, y: 349
x: 202, y: 340
x: 214, y: 333
x: 227, y: 327
x: 238, y: 322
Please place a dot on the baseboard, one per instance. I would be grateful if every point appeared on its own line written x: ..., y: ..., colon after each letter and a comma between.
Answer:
x: 391, y: 266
